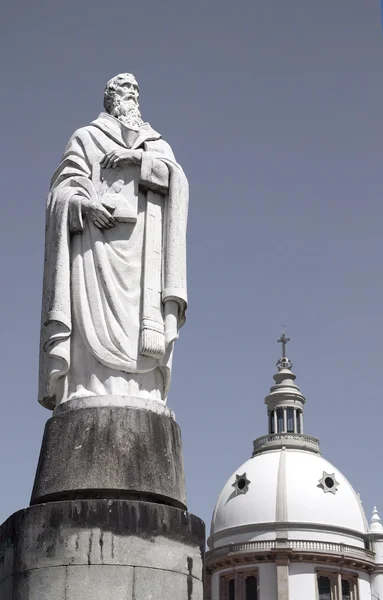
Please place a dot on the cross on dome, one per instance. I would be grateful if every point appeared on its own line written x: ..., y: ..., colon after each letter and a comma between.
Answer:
x: 284, y: 362
x: 283, y: 340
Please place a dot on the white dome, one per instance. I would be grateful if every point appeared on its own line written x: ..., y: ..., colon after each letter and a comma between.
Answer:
x: 284, y: 488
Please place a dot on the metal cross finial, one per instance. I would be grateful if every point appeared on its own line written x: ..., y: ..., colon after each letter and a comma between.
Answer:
x: 283, y: 340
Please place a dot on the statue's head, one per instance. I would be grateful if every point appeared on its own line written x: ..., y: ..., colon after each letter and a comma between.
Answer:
x: 121, y: 99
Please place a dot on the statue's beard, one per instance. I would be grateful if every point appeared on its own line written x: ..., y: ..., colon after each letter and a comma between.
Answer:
x: 127, y: 112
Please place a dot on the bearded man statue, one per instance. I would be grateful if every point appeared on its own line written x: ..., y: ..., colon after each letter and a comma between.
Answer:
x: 114, y: 292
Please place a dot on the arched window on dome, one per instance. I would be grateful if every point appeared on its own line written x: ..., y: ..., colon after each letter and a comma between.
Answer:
x: 240, y: 585
x: 346, y: 590
x: 332, y: 586
x: 251, y: 588
x: 290, y: 420
x: 324, y: 588
x: 280, y: 420
x: 231, y: 589
x: 272, y: 424
x: 349, y: 587
x: 227, y: 587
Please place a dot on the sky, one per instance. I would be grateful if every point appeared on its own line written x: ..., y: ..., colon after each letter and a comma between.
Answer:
x: 274, y: 109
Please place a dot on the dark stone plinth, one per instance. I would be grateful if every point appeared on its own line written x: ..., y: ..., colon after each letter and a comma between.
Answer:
x: 111, y: 452
x: 101, y: 549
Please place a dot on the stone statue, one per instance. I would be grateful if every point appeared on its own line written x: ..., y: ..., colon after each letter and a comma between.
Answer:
x: 114, y: 293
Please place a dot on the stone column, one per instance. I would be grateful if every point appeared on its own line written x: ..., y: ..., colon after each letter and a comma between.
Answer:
x: 301, y: 420
x: 339, y: 586
x: 335, y: 588
x: 284, y: 420
x: 295, y: 420
x: 282, y: 577
x: 239, y: 586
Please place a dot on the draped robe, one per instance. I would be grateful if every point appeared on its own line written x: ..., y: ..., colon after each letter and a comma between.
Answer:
x: 109, y: 294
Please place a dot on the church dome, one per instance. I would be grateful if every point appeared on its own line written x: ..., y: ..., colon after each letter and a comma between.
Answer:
x: 292, y: 489
x: 287, y: 490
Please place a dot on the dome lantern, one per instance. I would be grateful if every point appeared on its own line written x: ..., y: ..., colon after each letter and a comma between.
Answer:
x: 285, y: 404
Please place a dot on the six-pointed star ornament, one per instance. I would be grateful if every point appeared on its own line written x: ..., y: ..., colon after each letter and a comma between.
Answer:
x: 241, y: 484
x: 329, y: 483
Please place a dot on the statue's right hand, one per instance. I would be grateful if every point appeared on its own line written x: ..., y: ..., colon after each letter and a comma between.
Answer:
x: 98, y: 214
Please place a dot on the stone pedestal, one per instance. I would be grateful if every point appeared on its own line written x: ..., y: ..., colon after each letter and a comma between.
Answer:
x: 101, y: 550
x: 107, y: 518
x: 111, y: 452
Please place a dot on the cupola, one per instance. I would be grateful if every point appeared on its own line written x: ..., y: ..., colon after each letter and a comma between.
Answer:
x: 285, y: 403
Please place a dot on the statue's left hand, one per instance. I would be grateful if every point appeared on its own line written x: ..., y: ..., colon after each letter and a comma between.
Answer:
x: 112, y: 159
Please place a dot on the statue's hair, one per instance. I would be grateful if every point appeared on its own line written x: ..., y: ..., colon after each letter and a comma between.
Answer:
x: 110, y: 90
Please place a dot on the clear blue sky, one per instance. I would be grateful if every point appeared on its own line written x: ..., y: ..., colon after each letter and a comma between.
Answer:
x: 274, y: 108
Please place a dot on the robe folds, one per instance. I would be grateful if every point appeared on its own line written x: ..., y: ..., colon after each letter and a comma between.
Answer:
x: 109, y: 294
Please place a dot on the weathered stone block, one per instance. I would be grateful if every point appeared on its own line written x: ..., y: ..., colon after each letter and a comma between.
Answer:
x: 99, y: 582
x: 152, y: 583
x: 101, y: 549
x: 111, y: 452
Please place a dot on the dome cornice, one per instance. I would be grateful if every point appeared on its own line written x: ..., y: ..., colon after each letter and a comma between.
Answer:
x: 277, y: 441
x: 291, y: 526
x: 294, y: 550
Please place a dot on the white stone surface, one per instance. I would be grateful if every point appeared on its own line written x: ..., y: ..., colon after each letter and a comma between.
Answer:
x: 302, y: 581
x: 111, y: 401
x: 215, y: 585
x: 378, y: 549
x: 376, y: 586
x: 365, y: 589
x: 287, y: 491
x: 114, y: 291
x: 268, y: 580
